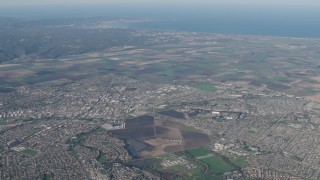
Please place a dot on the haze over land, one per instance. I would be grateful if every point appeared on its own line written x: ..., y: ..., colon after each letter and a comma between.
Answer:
x: 283, y: 18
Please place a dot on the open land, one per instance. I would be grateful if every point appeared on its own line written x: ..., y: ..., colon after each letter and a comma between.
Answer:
x: 158, y: 136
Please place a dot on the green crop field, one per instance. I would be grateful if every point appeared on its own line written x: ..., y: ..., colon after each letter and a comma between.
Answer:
x: 238, y: 161
x: 217, y: 165
x: 194, y: 173
x: 198, y: 151
x: 189, y: 128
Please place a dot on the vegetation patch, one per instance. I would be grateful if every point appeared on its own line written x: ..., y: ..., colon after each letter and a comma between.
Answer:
x: 104, y: 172
x: 47, y: 176
x: 217, y: 165
x: 202, y: 151
x: 283, y: 123
x: 195, y: 173
x: 198, y: 171
x: 207, y: 87
x: 37, y: 129
x: 189, y: 128
x: 102, y: 158
x: 4, y: 123
x: 101, y: 130
x: 29, y: 151
x: 105, y: 143
x: 249, y: 148
x: 74, y: 153
x: 6, y: 89
x: 252, y: 131
x: 181, y: 169
x: 239, y: 161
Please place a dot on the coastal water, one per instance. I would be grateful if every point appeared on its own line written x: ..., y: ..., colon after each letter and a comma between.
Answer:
x: 253, y: 20
x: 248, y: 21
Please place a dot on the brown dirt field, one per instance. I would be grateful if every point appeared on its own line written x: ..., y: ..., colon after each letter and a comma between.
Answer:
x: 138, y: 63
x: 317, y: 78
x: 164, y: 137
x: 134, y: 133
x: 7, y: 65
x: 116, y: 59
x: 194, y: 139
x: 315, y: 97
x: 302, y: 84
x: 157, y: 141
x: 69, y: 63
x: 175, y: 148
x: 309, y: 85
x: 163, y: 142
x: 168, y: 133
x: 153, y: 153
x: 93, y: 55
x: 305, y: 85
x: 19, y: 73
x: 87, y: 61
x: 140, y: 121
x: 168, y: 122
x: 160, y: 146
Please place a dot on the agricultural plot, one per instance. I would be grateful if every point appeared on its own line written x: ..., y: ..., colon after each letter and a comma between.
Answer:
x: 149, y: 136
x: 217, y: 165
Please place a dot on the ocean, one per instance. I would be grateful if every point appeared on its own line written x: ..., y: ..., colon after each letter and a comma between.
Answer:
x: 247, y: 20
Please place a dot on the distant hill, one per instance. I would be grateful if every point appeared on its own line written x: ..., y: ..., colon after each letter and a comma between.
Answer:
x: 24, y: 40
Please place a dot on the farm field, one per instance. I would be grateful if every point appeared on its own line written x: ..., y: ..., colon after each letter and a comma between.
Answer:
x: 282, y: 64
x: 149, y: 136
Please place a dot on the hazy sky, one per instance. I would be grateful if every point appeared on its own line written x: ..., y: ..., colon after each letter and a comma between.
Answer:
x: 154, y: 2
x: 296, y: 18
x: 150, y: 8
